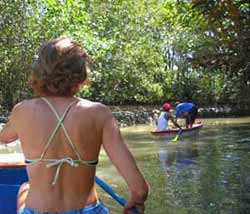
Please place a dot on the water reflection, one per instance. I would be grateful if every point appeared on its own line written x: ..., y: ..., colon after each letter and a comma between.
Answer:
x: 183, y: 154
x: 208, y: 174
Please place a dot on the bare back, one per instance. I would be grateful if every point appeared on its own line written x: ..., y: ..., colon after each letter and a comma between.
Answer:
x: 61, y: 178
x: 34, y: 122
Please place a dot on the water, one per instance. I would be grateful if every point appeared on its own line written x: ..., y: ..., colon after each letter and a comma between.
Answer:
x: 208, y: 173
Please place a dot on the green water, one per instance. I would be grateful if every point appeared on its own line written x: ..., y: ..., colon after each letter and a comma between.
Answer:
x: 208, y: 173
x: 204, y: 174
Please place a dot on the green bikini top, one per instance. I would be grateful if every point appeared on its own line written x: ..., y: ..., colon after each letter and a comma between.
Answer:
x: 58, y: 162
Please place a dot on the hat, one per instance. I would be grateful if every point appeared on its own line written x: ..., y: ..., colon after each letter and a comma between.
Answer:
x: 166, y: 106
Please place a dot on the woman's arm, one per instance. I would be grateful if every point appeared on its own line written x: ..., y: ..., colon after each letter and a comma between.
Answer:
x: 8, y: 133
x: 123, y: 160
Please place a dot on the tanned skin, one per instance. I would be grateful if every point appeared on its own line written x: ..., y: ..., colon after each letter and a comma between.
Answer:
x: 90, y: 125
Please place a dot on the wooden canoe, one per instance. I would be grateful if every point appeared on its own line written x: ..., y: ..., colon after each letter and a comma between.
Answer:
x: 170, y: 133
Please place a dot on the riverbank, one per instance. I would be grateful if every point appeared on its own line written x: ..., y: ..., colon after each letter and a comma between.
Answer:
x: 133, y: 115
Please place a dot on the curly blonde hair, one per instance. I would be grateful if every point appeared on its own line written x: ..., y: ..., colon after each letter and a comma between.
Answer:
x: 60, y: 69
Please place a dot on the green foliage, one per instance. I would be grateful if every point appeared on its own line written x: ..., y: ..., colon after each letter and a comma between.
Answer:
x: 16, y: 51
x: 228, y: 30
x: 143, y: 51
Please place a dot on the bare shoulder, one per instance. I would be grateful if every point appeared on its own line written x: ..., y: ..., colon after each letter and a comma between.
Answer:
x: 21, y: 110
x: 96, y: 108
x: 25, y: 105
x: 84, y: 103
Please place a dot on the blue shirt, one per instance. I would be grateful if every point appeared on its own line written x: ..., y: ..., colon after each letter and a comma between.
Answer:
x: 183, y: 107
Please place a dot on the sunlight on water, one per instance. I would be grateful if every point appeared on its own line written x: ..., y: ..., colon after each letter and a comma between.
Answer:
x: 205, y: 173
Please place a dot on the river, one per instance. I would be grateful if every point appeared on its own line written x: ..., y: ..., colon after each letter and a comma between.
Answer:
x: 203, y: 174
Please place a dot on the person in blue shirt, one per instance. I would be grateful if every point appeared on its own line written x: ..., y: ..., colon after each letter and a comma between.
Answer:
x: 188, y: 111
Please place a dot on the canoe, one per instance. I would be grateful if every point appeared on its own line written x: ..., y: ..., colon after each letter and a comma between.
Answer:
x: 170, y: 133
x: 12, y: 175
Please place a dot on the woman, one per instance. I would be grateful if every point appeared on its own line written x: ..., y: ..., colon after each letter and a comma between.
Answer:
x: 61, y: 136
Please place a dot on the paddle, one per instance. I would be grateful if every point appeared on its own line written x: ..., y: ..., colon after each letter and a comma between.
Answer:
x: 112, y: 193
x: 177, y: 136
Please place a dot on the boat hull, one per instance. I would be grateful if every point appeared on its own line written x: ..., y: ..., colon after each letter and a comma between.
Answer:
x: 12, y: 175
x: 171, y: 133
